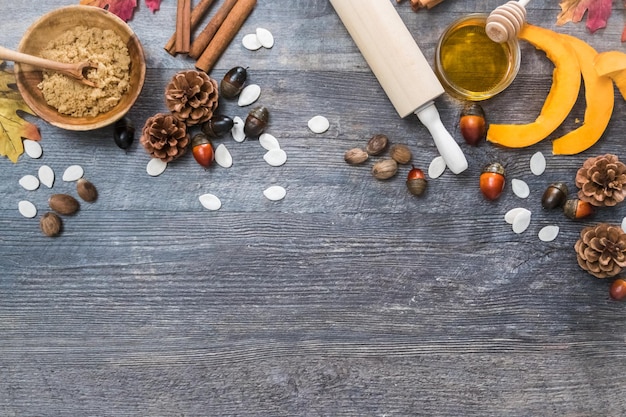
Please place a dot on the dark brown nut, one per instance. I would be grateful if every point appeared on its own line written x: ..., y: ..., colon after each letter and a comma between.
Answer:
x: 385, y: 169
x: 50, y: 224
x: 400, y: 153
x: 256, y: 122
x: 63, y: 204
x: 86, y: 190
x: 377, y: 144
x: 355, y: 156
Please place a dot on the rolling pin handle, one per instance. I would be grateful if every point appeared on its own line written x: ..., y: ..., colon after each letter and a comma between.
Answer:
x: 445, y: 143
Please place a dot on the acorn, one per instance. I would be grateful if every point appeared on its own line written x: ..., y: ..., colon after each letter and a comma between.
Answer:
x: 577, y: 209
x: 218, y: 125
x: 233, y: 82
x: 554, y: 196
x: 473, y: 123
x: 416, y: 181
x: 124, y: 133
x: 617, y: 291
x: 256, y: 122
x: 492, y: 181
x: 202, y: 150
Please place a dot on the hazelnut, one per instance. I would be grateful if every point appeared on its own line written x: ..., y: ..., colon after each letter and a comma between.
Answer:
x: 63, y: 204
x: 355, y: 156
x: 50, y: 224
x: 385, y: 169
x: 400, y: 153
x: 377, y: 144
x: 86, y: 190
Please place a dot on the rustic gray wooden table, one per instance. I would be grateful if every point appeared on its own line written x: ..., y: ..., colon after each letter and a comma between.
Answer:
x: 350, y: 297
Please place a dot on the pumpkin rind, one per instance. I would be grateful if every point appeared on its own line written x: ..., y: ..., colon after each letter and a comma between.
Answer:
x: 560, y: 100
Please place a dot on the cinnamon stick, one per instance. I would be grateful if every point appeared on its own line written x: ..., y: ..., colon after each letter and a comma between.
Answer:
x: 197, y: 14
x: 204, y: 38
x: 225, y: 34
x: 183, y: 26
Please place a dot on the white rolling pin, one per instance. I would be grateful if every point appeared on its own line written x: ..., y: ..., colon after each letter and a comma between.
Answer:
x: 400, y: 67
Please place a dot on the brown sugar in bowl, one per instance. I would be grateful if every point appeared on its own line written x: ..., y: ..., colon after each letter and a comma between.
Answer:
x: 52, y: 25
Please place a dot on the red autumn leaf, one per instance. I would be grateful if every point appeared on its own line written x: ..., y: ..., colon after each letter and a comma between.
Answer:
x: 598, y: 12
x: 153, y: 5
x: 122, y: 8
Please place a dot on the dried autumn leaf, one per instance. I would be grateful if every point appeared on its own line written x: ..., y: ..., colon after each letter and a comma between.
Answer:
x: 122, y: 8
x: 599, y: 12
x: 12, y: 127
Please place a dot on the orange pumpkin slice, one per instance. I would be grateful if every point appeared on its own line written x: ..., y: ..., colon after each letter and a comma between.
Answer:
x: 560, y: 100
x: 613, y: 65
x: 600, y: 98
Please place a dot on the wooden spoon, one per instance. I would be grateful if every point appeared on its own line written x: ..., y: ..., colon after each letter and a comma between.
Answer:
x: 75, y: 70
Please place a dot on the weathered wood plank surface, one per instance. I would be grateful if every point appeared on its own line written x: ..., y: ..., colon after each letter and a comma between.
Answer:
x: 348, y: 298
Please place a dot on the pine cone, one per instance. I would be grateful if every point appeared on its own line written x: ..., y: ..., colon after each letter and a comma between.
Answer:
x: 601, y: 250
x: 602, y: 181
x: 192, y: 96
x: 165, y: 137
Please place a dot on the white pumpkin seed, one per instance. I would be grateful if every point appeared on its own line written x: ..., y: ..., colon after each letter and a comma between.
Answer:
x: 548, y: 233
x: 624, y: 224
x: 437, y: 167
x: 155, y: 167
x: 269, y: 142
x: 275, y: 157
x: 249, y: 95
x: 73, y: 173
x: 275, y: 193
x: 520, y: 188
x: 318, y: 124
x: 510, y: 215
x: 521, y: 221
x: 251, y: 42
x: 210, y: 202
x: 265, y: 37
x: 223, y: 156
x: 46, y: 175
x: 32, y: 148
x: 537, y: 163
x: 237, y: 130
x: 29, y: 182
x: 27, y: 209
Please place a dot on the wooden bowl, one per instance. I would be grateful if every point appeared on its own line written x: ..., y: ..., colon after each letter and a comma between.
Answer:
x: 52, y: 25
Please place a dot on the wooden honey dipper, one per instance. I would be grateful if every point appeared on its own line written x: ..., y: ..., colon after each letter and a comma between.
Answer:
x: 505, y: 22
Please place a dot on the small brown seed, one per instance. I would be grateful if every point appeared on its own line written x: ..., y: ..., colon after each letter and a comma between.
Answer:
x: 63, y: 204
x: 377, y: 144
x: 400, y: 153
x: 355, y: 156
x: 385, y: 169
x: 50, y: 224
x: 86, y: 190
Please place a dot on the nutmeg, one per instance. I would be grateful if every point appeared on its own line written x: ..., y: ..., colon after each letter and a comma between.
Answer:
x: 50, y: 224
x: 385, y: 169
x: 377, y: 144
x: 355, y: 156
x: 86, y: 190
x: 63, y: 204
x: 400, y: 153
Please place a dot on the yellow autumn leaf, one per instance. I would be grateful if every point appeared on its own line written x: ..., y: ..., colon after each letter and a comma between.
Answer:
x: 13, y: 128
